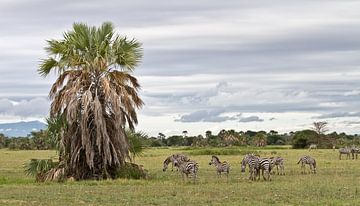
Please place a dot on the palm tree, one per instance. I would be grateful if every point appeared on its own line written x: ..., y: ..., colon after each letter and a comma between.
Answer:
x: 96, y: 95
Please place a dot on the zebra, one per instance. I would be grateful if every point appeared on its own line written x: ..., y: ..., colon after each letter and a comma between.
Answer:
x: 265, y: 165
x: 187, y: 168
x: 256, y: 164
x: 252, y: 161
x: 346, y: 151
x: 172, y: 158
x: 355, y: 151
x: 312, y: 146
x: 307, y: 160
x: 278, y: 162
x: 220, y: 166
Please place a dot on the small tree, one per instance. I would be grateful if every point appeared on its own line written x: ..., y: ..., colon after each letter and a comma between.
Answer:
x: 320, y: 127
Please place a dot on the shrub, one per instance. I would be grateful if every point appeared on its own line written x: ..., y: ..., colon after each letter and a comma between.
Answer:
x: 131, y: 171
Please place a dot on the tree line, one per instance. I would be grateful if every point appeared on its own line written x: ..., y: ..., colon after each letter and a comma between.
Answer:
x: 47, y: 139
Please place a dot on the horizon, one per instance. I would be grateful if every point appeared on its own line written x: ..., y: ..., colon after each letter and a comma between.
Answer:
x: 207, y: 65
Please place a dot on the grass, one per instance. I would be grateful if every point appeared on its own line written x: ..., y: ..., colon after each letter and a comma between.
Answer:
x: 336, y: 183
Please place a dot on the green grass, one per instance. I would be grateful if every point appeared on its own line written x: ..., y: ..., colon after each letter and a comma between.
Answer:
x: 336, y: 183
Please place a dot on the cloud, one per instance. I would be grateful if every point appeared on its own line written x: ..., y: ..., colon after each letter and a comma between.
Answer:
x: 337, y: 115
x: 251, y: 119
x: 205, y: 116
x: 36, y: 107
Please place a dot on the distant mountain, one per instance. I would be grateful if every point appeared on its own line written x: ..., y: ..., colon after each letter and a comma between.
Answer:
x: 21, y: 129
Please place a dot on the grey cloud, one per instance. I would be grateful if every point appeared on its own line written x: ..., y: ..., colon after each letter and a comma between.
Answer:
x: 36, y: 107
x: 205, y: 116
x: 251, y: 119
x: 338, y: 114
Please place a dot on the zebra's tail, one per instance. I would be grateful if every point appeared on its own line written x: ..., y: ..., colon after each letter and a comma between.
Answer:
x: 299, y: 161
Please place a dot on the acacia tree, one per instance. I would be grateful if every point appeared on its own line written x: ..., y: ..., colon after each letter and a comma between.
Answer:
x: 97, y: 97
x: 320, y: 127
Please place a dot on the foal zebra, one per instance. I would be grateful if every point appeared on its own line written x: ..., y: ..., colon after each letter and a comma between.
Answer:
x: 346, y: 151
x: 278, y: 162
x: 187, y: 168
x: 172, y: 158
x: 220, y: 166
x: 307, y: 160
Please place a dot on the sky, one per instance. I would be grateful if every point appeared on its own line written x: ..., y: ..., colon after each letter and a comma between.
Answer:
x: 207, y: 65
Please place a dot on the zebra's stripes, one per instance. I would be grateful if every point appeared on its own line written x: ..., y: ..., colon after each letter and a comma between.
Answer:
x: 265, y: 166
x: 220, y: 166
x: 172, y: 158
x: 307, y: 160
x: 346, y: 151
x: 252, y: 161
x: 279, y: 163
x: 187, y: 168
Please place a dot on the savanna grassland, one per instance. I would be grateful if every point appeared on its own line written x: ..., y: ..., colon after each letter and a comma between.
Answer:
x: 336, y: 183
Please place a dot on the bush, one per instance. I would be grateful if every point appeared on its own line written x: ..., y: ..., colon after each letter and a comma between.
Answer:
x: 132, y: 171
x: 39, y: 168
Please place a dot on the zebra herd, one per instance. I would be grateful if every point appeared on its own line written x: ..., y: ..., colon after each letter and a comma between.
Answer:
x: 353, y: 150
x: 255, y: 163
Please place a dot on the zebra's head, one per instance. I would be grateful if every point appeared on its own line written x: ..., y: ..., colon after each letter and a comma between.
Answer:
x: 165, y: 166
x: 176, y: 163
x: 214, y: 160
x: 243, y: 163
x: 166, y: 163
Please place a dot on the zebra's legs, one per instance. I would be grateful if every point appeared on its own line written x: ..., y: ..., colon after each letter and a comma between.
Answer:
x: 282, y: 167
x: 302, y: 168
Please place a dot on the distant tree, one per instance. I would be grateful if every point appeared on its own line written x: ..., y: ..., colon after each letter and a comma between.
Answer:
x: 175, y: 140
x: 260, y: 139
x: 3, y: 141
x: 303, y: 139
x: 320, y: 127
x: 41, y: 140
x: 208, y: 134
x: 184, y: 133
x: 161, y: 136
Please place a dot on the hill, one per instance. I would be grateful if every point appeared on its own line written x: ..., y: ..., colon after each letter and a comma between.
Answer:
x: 21, y: 129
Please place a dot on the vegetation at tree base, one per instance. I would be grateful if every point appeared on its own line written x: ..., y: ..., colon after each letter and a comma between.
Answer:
x: 97, y: 97
x: 39, y: 168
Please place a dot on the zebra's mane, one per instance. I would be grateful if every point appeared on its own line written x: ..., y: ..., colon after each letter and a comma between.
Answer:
x: 216, y: 158
x: 167, y: 160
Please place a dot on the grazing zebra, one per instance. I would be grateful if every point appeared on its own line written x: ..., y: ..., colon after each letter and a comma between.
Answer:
x: 307, y: 160
x: 252, y: 161
x: 220, y: 166
x: 265, y: 166
x: 256, y: 164
x: 187, y: 168
x: 355, y: 151
x: 278, y: 162
x: 312, y: 146
x: 172, y: 158
x: 346, y: 151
